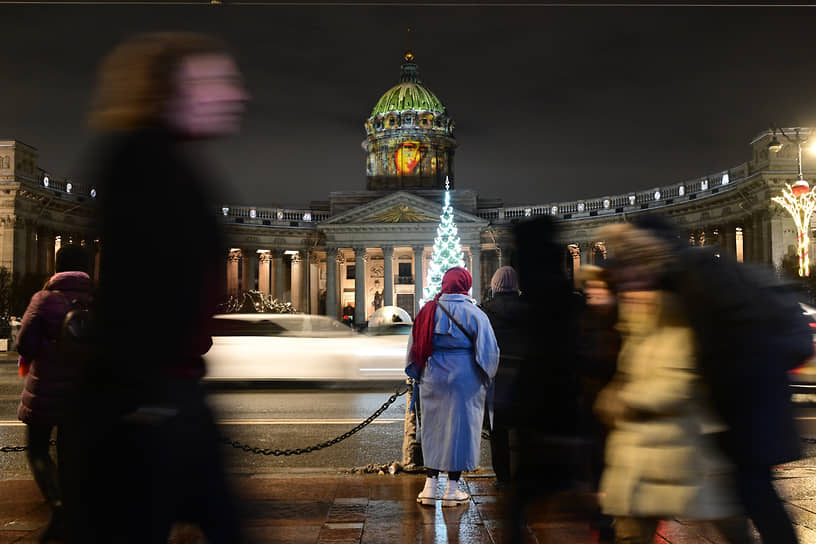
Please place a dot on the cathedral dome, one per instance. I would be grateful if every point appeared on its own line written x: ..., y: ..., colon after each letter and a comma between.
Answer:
x: 408, y: 94
x: 409, y: 136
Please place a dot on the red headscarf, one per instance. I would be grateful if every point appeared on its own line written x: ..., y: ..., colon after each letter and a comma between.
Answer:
x: 456, y: 280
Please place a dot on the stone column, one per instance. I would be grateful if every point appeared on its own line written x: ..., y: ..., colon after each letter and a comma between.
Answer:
x: 51, y: 254
x: 313, y: 285
x: 331, y: 281
x: 388, y: 272
x: 418, y: 277
x: 250, y: 268
x: 42, y: 252
x: 264, y: 265
x: 306, y: 275
x: 575, y: 254
x: 297, y: 282
x: 278, y: 287
x: 232, y: 271
x: 359, y: 286
x: 476, y: 271
x: 729, y: 238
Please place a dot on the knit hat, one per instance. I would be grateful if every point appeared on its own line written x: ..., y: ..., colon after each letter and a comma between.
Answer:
x: 72, y: 258
x: 505, y: 280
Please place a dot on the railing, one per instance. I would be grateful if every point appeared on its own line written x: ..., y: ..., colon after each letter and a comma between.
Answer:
x: 272, y: 216
x: 403, y: 280
x: 624, y: 203
x: 63, y: 187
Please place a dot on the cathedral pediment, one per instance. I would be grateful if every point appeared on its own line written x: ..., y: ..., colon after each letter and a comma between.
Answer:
x: 395, y: 208
x: 400, y: 214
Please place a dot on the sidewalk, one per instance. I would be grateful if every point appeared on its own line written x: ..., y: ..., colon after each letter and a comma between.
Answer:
x: 316, y: 507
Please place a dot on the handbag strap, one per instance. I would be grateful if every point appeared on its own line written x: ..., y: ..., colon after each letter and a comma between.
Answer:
x: 464, y: 330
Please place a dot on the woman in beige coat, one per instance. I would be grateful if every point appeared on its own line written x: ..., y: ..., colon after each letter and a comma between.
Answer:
x: 661, y: 459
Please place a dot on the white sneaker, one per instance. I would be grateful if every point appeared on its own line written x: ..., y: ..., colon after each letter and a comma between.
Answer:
x: 453, y: 495
x: 427, y: 497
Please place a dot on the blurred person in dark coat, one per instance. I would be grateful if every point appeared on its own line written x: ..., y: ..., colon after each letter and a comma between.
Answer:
x: 152, y: 455
x: 550, y: 448
x: 506, y: 312
x: 52, y: 379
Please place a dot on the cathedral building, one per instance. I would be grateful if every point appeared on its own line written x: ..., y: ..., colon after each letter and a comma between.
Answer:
x: 361, y: 249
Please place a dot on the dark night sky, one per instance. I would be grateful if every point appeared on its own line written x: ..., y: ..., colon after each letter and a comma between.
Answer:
x: 550, y: 103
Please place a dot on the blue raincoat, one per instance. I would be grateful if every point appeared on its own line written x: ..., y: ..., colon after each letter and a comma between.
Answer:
x: 454, y: 384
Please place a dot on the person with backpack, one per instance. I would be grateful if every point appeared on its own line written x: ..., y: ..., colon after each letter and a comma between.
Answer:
x: 51, y: 380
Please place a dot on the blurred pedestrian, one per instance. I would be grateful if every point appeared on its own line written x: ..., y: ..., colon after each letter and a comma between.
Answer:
x: 454, y: 356
x: 597, y: 355
x: 52, y: 378
x: 152, y: 455
x: 546, y: 428
x: 507, y: 313
x: 662, y: 459
x: 749, y: 332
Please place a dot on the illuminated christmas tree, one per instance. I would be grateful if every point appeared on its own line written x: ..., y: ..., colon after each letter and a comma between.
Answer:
x: 447, y: 250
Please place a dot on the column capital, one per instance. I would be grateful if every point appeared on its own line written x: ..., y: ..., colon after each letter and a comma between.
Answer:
x: 388, y: 251
x: 418, y: 248
x: 359, y: 250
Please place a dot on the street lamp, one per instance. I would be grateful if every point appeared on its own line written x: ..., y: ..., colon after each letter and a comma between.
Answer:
x: 798, y: 199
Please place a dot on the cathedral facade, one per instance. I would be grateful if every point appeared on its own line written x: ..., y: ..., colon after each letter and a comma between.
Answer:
x: 362, y: 249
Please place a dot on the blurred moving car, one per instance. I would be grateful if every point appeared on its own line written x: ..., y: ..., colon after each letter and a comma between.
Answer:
x: 286, y: 347
x: 803, y: 377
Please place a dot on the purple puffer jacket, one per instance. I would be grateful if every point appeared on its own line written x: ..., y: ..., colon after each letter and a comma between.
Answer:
x: 50, y: 381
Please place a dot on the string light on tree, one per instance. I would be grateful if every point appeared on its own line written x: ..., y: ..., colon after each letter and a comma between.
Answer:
x: 798, y: 199
x: 447, y: 249
x: 800, y: 202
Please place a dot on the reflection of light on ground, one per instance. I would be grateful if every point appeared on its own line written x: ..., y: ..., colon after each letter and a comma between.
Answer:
x: 440, y: 526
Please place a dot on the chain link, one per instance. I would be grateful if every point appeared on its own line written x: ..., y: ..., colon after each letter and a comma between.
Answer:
x: 15, y: 449
x: 299, y: 451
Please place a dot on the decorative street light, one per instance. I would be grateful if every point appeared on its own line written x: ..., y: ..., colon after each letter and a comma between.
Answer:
x: 798, y: 199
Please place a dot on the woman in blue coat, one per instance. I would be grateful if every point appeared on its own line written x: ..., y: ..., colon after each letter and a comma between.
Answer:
x: 454, y: 356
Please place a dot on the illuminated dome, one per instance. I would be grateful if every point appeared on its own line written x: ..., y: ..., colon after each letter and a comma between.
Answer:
x: 409, y: 136
x: 409, y: 94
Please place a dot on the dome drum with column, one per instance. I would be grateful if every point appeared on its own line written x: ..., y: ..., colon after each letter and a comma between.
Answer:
x: 410, y: 142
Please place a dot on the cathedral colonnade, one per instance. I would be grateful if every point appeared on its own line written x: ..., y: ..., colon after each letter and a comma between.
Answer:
x: 286, y: 275
x: 339, y: 281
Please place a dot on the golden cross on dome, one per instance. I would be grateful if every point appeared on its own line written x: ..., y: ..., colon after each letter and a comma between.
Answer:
x: 409, y: 56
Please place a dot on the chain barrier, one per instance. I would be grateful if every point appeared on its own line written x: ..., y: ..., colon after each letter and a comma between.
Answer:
x: 15, y: 449
x: 299, y: 451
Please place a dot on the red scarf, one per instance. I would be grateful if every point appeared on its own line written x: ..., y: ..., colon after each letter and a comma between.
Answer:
x: 456, y: 280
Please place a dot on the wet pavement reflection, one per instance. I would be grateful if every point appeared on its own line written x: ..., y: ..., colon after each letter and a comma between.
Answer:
x: 322, y: 507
